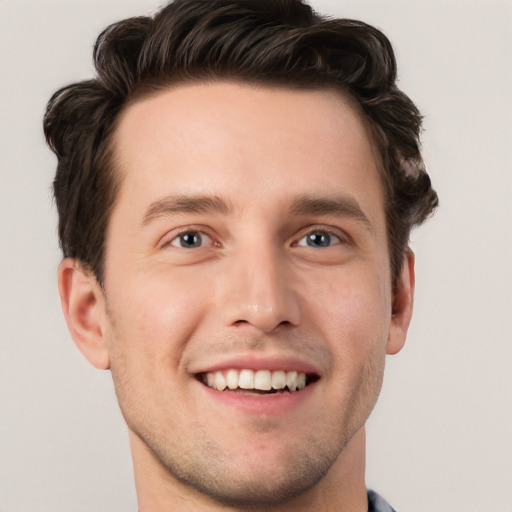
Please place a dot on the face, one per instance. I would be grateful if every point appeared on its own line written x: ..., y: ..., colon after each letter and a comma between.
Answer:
x: 246, y: 251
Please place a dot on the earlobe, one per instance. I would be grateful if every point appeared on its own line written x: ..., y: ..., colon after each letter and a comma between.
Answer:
x: 403, y: 300
x: 83, y: 307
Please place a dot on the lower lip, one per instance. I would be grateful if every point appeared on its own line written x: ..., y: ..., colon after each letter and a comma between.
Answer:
x: 266, y: 405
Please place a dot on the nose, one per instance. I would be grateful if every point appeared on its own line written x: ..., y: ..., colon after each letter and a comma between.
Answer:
x: 259, y: 292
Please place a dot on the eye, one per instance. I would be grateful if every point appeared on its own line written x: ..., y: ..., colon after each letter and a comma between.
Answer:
x: 319, y: 239
x: 191, y: 240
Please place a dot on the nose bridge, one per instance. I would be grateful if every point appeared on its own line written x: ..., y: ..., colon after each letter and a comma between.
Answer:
x: 259, y: 293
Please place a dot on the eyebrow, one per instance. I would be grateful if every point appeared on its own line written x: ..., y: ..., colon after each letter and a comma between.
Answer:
x: 176, y: 204
x: 339, y: 206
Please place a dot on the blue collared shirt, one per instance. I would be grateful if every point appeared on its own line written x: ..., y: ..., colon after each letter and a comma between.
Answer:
x: 377, y: 503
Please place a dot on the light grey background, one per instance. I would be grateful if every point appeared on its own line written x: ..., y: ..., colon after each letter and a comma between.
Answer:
x: 441, y: 436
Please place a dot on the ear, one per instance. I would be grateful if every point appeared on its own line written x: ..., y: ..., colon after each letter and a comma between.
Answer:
x: 403, y: 300
x: 83, y: 306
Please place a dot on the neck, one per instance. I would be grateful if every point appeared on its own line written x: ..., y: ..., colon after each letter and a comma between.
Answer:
x: 342, y: 488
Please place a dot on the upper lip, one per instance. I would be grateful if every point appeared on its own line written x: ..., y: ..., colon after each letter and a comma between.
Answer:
x: 256, y: 362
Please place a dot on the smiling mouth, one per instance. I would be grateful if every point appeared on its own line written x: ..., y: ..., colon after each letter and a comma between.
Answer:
x: 260, y: 382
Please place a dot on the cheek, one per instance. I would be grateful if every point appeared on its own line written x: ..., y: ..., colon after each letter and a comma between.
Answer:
x: 153, y: 317
x: 150, y: 322
x: 351, y: 315
x: 353, y: 312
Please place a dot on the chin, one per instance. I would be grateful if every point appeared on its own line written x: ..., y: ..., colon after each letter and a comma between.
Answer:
x: 265, y: 489
x: 258, y: 480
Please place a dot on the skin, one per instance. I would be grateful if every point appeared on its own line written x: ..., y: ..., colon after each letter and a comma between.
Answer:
x: 253, y: 289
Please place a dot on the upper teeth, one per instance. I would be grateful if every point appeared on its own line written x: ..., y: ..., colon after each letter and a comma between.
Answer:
x: 263, y: 380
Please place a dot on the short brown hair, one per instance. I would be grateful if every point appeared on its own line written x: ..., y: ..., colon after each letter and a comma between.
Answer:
x: 268, y: 42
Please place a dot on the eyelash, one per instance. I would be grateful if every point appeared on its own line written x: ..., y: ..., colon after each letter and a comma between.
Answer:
x: 189, y: 231
x: 315, y: 231
x: 340, y: 239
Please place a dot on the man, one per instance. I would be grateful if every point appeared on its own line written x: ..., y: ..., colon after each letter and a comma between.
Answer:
x: 236, y: 190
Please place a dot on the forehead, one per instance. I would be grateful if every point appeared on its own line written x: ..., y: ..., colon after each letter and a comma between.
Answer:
x: 249, y: 143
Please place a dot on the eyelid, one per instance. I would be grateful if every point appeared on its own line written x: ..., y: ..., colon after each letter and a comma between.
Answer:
x: 338, y: 233
x: 172, y: 235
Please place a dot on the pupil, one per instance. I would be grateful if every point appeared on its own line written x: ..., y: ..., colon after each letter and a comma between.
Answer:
x: 190, y: 240
x: 319, y: 239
